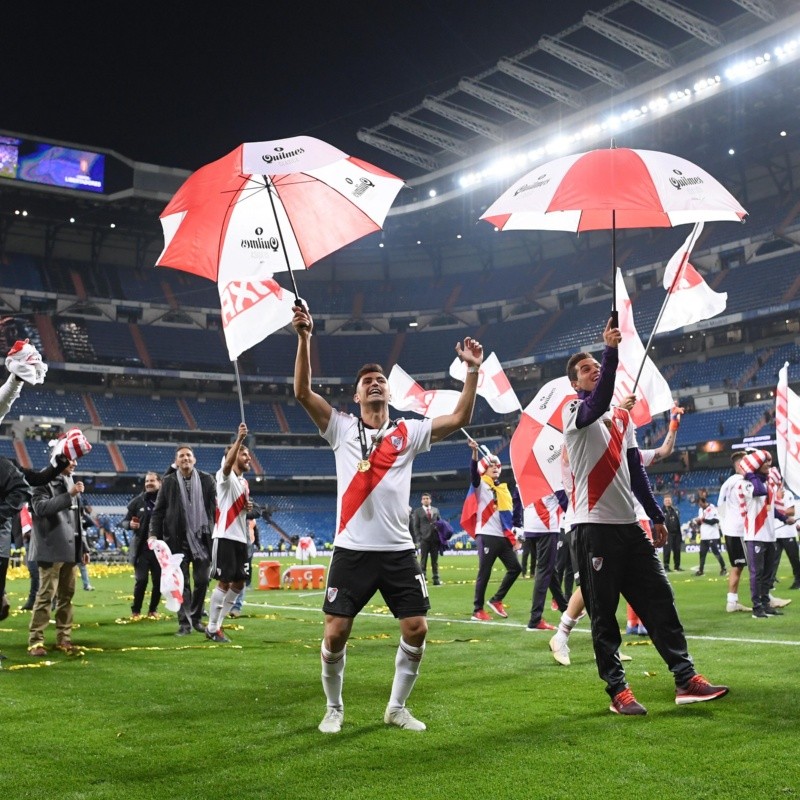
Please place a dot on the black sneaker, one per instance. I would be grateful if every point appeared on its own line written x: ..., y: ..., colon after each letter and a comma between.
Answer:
x: 772, y: 612
x: 626, y: 704
x: 759, y: 613
x: 698, y: 690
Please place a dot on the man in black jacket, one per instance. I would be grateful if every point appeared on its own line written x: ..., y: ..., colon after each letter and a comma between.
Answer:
x: 145, y: 563
x: 426, y: 536
x: 183, y: 517
x: 672, y: 519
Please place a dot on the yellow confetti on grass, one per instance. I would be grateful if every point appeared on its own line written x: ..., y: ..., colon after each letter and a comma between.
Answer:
x: 33, y: 666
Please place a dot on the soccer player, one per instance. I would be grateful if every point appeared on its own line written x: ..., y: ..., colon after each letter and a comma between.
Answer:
x: 373, y: 548
x: 709, y: 534
x: 615, y: 556
x: 731, y: 518
x: 230, y: 563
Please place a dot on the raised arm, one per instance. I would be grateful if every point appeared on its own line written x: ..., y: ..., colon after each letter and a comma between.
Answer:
x: 471, y: 352
x: 233, y: 453
x: 315, y: 405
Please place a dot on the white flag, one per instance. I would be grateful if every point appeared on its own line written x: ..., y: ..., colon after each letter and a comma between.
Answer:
x: 408, y: 395
x: 690, y: 298
x: 493, y: 385
x: 652, y: 390
x: 253, y: 306
x: 787, y: 431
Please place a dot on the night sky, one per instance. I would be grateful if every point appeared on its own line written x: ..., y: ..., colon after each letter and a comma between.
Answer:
x: 181, y: 84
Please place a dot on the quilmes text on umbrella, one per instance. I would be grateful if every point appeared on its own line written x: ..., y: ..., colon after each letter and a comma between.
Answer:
x: 281, y: 155
x: 681, y: 181
x: 261, y: 244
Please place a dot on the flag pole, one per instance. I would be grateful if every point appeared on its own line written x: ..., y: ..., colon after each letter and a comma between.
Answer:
x: 484, y: 449
x: 239, y: 386
x: 692, y: 239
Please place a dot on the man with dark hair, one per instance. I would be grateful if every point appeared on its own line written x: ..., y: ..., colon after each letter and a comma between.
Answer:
x: 145, y: 563
x: 614, y: 554
x: 731, y: 519
x: 426, y: 535
x: 183, y: 517
x: 708, y: 521
x: 230, y: 564
x: 672, y: 522
x: 374, y: 550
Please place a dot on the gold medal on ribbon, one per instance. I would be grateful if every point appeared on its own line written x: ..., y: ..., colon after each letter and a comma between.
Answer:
x: 363, y: 465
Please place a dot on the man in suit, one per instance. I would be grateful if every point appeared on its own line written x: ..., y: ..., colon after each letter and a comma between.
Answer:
x: 183, y: 517
x: 57, y: 545
x: 426, y: 536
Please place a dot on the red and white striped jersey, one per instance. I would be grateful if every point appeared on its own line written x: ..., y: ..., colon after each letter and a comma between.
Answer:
x: 759, y: 516
x: 708, y: 532
x: 731, y: 507
x: 372, y: 506
x: 598, y: 460
x: 543, y: 516
x: 230, y: 520
x: 782, y: 530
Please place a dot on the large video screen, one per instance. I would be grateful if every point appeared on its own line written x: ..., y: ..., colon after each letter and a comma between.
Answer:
x: 51, y: 165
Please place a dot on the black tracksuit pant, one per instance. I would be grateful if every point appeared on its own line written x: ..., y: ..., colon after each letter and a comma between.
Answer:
x: 616, y: 560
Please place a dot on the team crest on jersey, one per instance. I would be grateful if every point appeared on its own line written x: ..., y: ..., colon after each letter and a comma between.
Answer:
x: 332, y: 592
x: 597, y: 564
x: 397, y: 442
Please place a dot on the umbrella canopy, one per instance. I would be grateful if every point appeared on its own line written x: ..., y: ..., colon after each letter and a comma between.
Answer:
x: 273, y: 206
x: 613, y: 188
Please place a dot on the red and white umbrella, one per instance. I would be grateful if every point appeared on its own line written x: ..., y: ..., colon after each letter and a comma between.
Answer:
x: 273, y: 206
x: 610, y: 189
x: 536, y: 444
x: 264, y: 208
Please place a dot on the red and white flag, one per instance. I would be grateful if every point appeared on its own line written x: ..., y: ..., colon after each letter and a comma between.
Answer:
x: 652, y: 391
x: 408, y: 395
x: 253, y: 306
x: 787, y: 430
x: 25, y: 519
x: 537, y: 442
x: 690, y: 298
x: 493, y: 385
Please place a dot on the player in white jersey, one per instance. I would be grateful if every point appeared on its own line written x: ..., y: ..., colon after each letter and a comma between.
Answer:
x: 373, y: 548
x: 708, y: 520
x: 615, y: 557
x: 230, y: 564
x: 757, y: 496
x: 786, y: 537
x: 731, y: 521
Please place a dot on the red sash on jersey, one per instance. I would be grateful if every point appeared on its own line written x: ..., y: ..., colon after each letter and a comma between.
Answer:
x: 235, y: 509
x: 605, y: 469
x: 363, y: 483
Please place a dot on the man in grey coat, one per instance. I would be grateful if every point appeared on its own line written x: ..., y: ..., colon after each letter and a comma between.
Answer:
x: 426, y: 536
x: 57, y: 545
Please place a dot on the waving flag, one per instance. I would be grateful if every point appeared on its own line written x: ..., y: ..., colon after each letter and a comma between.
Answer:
x: 690, y: 297
x: 787, y: 429
x: 408, y: 395
x: 652, y: 390
x: 536, y: 444
x: 493, y: 385
x: 253, y: 306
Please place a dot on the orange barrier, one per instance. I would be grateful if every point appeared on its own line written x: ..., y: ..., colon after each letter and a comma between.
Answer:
x: 309, y: 576
x: 269, y: 575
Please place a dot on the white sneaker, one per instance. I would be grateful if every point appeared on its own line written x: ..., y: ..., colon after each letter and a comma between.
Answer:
x: 403, y: 719
x: 560, y: 650
x: 623, y: 657
x: 736, y: 606
x: 777, y: 602
x: 332, y: 721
